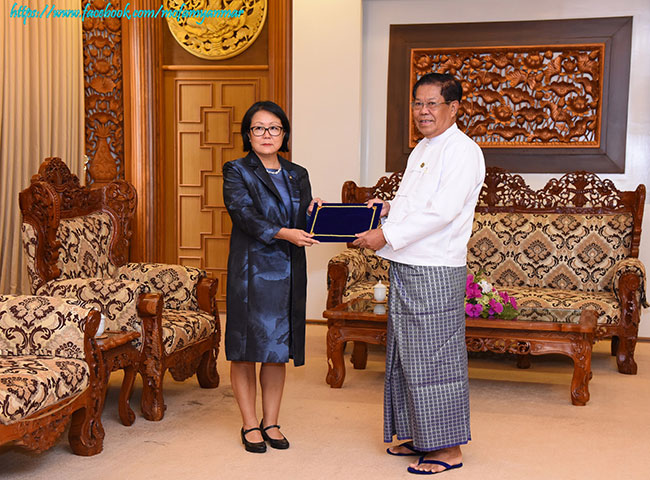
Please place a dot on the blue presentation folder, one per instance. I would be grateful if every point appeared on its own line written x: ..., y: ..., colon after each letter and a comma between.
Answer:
x: 338, y: 222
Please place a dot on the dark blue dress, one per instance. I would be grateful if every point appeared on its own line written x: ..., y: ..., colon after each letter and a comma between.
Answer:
x: 267, y: 277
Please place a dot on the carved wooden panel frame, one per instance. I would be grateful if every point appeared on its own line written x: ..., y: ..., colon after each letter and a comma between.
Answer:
x: 418, y: 49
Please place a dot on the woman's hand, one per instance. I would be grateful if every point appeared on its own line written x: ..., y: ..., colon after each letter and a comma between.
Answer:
x: 312, y: 203
x: 296, y: 236
x: 385, y: 206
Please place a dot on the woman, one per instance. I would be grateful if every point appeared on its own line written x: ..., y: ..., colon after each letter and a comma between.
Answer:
x: 268, y: 199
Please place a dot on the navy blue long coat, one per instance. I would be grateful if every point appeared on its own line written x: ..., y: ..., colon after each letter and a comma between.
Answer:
x: 267, y: 277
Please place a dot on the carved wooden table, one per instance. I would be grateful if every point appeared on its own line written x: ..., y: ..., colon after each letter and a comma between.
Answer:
x: 537, y: 332
x: 568, y: 332
x: 119, y: 353
x: 359, y: 320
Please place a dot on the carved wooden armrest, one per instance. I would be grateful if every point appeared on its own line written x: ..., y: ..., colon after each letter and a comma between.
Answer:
x: 629, y: 276
x: 206, y: 292
x: 344, y: 270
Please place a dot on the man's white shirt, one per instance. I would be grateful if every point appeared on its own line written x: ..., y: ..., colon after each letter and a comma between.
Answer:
x: 430, y: 218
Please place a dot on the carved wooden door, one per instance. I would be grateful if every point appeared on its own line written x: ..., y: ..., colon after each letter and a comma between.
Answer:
x: 204, y: 102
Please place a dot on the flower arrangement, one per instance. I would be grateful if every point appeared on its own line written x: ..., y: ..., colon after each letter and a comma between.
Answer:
x: 483, y: 300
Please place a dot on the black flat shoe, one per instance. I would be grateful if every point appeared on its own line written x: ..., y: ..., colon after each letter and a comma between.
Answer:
x: 281, y: 444
x: 254, y: 447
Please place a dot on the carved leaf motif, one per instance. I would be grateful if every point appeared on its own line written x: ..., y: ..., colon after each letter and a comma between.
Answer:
x: 518, y: 96
x: 562, y: 88
x: 516, y: 77
x: 490, y: 97
x: 521, y: 95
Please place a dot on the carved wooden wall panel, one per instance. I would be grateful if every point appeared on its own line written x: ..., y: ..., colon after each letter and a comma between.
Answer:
x: 541, y: 96
x: 104, y: 96
x: 545, y: 96
x: 205, y: 127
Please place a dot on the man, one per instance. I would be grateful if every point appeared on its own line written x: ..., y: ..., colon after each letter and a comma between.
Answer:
x: 425, y: 235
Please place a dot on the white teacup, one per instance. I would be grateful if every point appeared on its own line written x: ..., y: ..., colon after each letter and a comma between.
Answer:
x: 379, y: 291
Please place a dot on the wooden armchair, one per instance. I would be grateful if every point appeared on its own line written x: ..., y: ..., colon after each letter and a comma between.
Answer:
x: 76, y: 240
x: 50, y: 369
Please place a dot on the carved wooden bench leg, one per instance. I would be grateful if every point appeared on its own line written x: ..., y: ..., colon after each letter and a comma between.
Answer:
x: 335, y: 363
x: 86, y: 433
x: 523, y: 361
x: 127, y: 417
x: 625, y: 355
x: 628, y: 328
x: 581, y: 372
x: 207, y: 372
x: 152, y: 402
x: 360, y: 355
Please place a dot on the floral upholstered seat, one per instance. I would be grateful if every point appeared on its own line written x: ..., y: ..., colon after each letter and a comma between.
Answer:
x: 48, y: 365
x: 76, y: 241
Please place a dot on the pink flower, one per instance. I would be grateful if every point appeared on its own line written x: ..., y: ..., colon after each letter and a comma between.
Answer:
x: 473, y: 290
x: 473, y: 311
x: 513, y: 302
x: 495, y: 307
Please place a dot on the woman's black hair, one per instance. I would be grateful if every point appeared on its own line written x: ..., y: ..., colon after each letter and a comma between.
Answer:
x: 450, y: 88
x: 270, y: 107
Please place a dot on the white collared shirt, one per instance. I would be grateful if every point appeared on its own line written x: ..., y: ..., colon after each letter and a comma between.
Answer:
x: 430, y: 218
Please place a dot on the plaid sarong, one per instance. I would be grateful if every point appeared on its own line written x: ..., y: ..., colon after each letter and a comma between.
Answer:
x: 426, y: 391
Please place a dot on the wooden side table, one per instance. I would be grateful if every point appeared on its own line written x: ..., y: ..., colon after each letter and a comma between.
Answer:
x: 119, y: 353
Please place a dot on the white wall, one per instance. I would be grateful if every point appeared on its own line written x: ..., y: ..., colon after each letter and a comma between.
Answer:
x: 326, y: 119
x: 378, y: 15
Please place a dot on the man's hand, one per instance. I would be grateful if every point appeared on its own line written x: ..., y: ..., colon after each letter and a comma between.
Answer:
x: 370, y: 239
x: 385, y: 206
x: 312, y: 203
x: 296, y: 236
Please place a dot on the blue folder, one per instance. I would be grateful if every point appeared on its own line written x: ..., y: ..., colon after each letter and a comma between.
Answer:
x: 339, y: 222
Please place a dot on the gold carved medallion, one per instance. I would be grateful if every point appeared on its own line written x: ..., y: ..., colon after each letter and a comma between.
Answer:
x: 205, y: 31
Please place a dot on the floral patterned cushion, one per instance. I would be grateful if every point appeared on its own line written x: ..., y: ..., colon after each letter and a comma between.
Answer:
x: 32, y: 325
x: 30, y: 383
x: 85, y: 246
x: 563, y: 251
x: 116, y: 299
x: 176, y: 283
x: 185, y: 327
x: 604, y: 303
x: 364, y: 266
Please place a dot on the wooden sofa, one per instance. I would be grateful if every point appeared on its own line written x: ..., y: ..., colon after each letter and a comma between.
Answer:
x: 572, y: 244
x: 50, y: 368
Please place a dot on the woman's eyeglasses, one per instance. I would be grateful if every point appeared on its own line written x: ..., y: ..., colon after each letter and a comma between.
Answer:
x: 273, y: 130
